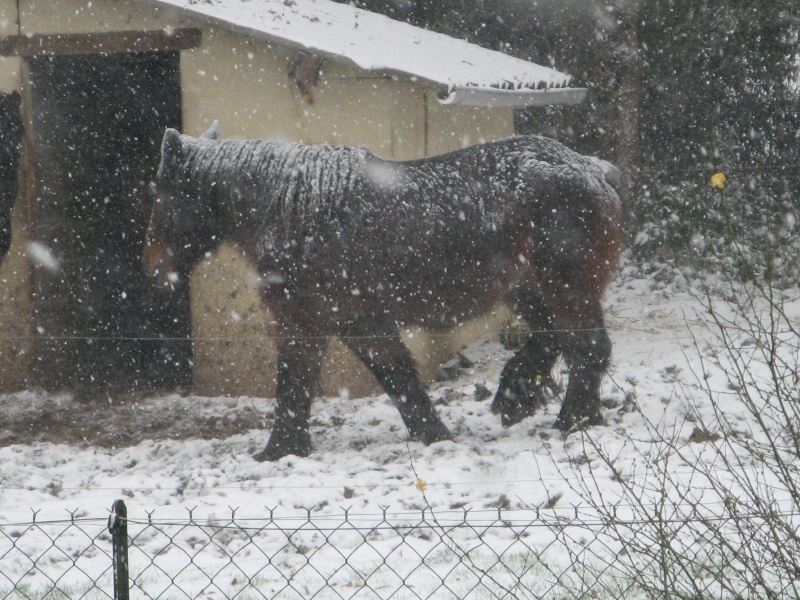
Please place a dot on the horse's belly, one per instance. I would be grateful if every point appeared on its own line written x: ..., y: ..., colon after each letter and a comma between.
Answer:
x: 442, y: 299
x: 338, y: 294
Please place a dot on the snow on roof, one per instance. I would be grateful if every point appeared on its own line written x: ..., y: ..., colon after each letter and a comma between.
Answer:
x: 462, y: 72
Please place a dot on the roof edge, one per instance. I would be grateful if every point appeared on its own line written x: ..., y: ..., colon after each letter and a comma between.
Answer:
x: 521, y: 98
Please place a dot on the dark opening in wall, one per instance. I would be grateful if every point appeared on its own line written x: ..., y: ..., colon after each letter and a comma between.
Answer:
x: 97, y: 123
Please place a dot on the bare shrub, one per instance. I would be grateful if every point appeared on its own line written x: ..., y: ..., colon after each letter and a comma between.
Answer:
x: 715, y: 514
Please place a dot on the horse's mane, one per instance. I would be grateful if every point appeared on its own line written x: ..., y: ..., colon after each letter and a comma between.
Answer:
x: 276, y: 178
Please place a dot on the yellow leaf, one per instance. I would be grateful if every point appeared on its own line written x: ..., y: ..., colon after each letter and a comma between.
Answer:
x: 421, y: 485
x: 718, y: 180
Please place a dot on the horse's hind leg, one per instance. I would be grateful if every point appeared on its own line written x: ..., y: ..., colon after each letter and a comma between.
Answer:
x: 587, y: 349
x: 522, y: 382
x: 299, y: 364
x: 393, y: 366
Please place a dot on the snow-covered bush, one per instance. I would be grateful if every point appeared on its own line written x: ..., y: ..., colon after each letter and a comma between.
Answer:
x: 747, y: 228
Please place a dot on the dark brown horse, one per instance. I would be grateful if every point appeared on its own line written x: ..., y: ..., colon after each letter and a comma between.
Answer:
x: 11, y: 130
x: 354, y: 246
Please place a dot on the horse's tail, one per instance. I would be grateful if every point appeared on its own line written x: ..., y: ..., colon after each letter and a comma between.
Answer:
x: 619, y: 183
x: 615, y: 178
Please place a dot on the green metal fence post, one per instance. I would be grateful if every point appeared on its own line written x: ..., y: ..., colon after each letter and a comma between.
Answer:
x: 118, y: 526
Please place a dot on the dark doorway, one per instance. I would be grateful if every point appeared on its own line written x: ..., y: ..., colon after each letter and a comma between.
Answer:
x: 97, y: 124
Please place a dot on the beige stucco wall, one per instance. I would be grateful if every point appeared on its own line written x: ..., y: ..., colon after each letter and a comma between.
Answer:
x: 244, y: 83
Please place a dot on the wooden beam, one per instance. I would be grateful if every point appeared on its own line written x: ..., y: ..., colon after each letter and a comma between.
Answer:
x: 107, y: 42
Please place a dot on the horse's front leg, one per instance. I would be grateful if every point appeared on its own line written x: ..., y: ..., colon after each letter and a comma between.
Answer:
x: 299, y: 363
x: 393, y: 366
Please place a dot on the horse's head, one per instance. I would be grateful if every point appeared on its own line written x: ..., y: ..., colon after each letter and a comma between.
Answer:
x: 184, y: 225
x: 11, y: 131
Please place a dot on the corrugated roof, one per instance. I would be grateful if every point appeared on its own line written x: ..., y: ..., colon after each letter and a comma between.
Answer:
x: 463, y: 73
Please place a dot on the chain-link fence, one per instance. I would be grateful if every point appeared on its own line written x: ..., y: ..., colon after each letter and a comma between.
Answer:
x: 417, y: 554
x: 458, y: 554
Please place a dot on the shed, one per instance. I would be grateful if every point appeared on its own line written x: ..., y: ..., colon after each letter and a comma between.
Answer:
x: 101, y: 80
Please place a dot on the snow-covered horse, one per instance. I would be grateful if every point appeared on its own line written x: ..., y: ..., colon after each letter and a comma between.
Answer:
x: 350, y: 245
x: 11, y: 130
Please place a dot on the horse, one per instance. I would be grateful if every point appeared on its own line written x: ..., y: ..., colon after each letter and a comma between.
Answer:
x: 350, y: 245
x: 11, y: 131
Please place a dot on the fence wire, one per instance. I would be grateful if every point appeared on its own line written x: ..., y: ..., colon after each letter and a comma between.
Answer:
x: 418, y: 554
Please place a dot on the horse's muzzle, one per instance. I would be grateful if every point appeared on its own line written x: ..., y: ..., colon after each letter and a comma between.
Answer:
x: 159, y: 261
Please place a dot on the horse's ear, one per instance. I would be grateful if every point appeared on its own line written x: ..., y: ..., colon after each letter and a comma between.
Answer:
x: 171, y: 147
x: 213, y: 131
x: 16, y: 98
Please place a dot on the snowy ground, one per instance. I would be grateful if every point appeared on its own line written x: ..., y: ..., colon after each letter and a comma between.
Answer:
x: 361, y: 460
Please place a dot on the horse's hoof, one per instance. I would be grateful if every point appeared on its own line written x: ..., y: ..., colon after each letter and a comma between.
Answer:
x: 512, y: 410
x: 262, y: 456
x: 596, y: 419
x: 564, y: 423
x: 273, y: 454
x: 438, y: 436
x: 568, y: 423
x: 518, y: 414
x: 282, y: 445
x: 434, y: 432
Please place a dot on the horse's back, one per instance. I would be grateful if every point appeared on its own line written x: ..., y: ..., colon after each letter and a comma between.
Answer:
x: 562, y: 209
